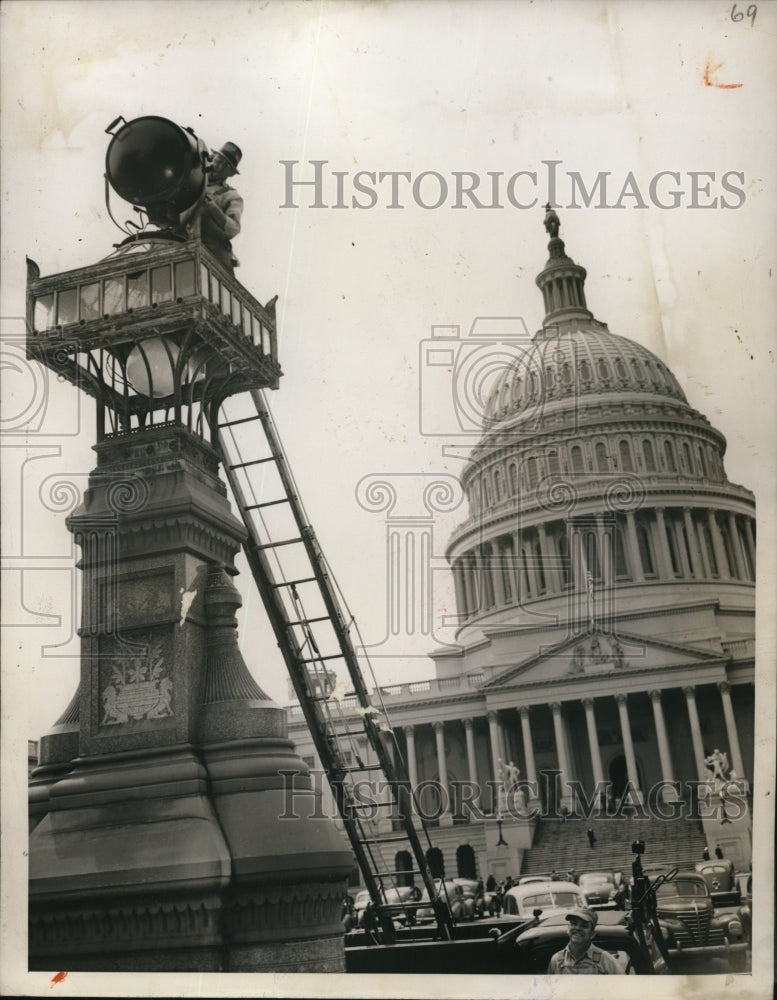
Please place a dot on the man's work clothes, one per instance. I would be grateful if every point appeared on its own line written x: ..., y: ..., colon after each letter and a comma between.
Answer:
x: 593, y: 962
x: 212, y: 224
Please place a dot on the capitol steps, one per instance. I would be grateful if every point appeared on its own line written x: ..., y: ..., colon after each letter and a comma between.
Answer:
x: 562, y: 845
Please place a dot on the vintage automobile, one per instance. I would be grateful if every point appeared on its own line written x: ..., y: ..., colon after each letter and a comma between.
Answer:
x: 600, y: 891
x: 549, y: 897
x: 534, y: 946
x: 391, y: 896
x: 471, y: 899
x: 500, y: 947
x: 459, y: 895
x: 721, y: 877
x: 693, y: 928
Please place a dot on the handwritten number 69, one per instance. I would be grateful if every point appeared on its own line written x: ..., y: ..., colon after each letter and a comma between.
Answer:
x: 738, y: 15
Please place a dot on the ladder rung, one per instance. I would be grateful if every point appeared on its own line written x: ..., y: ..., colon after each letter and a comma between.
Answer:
x: 309, y: 621
x: 365, y: 767
x: 275, y: 545
x: 254, y: 461
x: 293, y: 583
x: 241, y: 420
x: 315, y: 659
x: 373, y: 805
x: 265, y: 503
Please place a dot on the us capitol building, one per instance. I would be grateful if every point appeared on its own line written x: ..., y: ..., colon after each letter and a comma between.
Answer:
x: 605, y: 588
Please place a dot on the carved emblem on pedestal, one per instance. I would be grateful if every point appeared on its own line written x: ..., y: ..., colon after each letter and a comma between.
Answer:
x: 138, y: 688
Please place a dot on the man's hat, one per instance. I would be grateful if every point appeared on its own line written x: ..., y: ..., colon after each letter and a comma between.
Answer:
x: 232, y: 154
x: 589, y: 916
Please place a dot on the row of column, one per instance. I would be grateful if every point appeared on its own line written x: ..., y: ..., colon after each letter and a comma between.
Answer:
x: 499, y: 750
x: 525, y: 564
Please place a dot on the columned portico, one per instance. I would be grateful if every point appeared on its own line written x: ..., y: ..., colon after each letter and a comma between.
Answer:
x: 698, y: 745
x: 501, y: 597
x: 731, y: 730
x: 736, y: 545
x: 628, y: 744
x: 461, y: 594
x: 664, y: 753
x: 551, y: 566
x: 528, y: 746
x: 412, y: 762
x: 442, y: 770
x: 472, y: 768
x: 496, y: 749
x: 635, y: 563
x: 665, y: 559
x: 593, y: 741
x: 704, y: 551
x: 693, y: 544
x: 470, y: 587
x: 750, y: 543
x: 678, y: 531
x: 717, y: 544
x: 561, y: 753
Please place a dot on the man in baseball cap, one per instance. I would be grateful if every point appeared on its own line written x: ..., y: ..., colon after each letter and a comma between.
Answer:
x: 581, y: 957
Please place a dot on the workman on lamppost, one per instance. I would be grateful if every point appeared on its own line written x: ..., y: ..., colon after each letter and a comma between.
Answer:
x: 222, y: 206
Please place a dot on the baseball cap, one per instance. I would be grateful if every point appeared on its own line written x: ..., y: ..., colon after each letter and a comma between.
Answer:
x: 589, y: 916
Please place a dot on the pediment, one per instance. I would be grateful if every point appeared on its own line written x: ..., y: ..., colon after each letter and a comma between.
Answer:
x: 598, y: 653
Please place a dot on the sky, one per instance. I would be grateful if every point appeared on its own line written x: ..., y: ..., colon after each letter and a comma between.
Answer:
x: 432, y: 89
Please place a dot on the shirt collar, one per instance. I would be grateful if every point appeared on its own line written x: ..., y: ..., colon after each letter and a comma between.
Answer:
x: 568, y: 956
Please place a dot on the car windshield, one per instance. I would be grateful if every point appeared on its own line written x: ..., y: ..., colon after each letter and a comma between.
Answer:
x: 682, y: 887
x: 555, y: 899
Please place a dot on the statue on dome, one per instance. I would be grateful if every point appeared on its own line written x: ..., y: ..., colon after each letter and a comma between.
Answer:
x: 551, y: 221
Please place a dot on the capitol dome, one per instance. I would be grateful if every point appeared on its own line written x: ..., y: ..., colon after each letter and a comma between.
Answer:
x: 585, y: 360
x: 593, y: 470
x: 604, y: 580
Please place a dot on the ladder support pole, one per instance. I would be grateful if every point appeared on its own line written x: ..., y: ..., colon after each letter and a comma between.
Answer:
x: 324, y: 736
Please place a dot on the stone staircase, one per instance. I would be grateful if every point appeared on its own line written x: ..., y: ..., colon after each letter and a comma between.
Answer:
x: 561, y: 845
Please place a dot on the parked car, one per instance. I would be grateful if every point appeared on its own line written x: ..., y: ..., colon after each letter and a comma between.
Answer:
x: 693, y: 928
x: 471, y: 898
x: 721, y: 877
x: 550, y: 897
x: 460, y: 903
x: 600, y: 890
x: 534, y: 947
x: 391, y: 896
